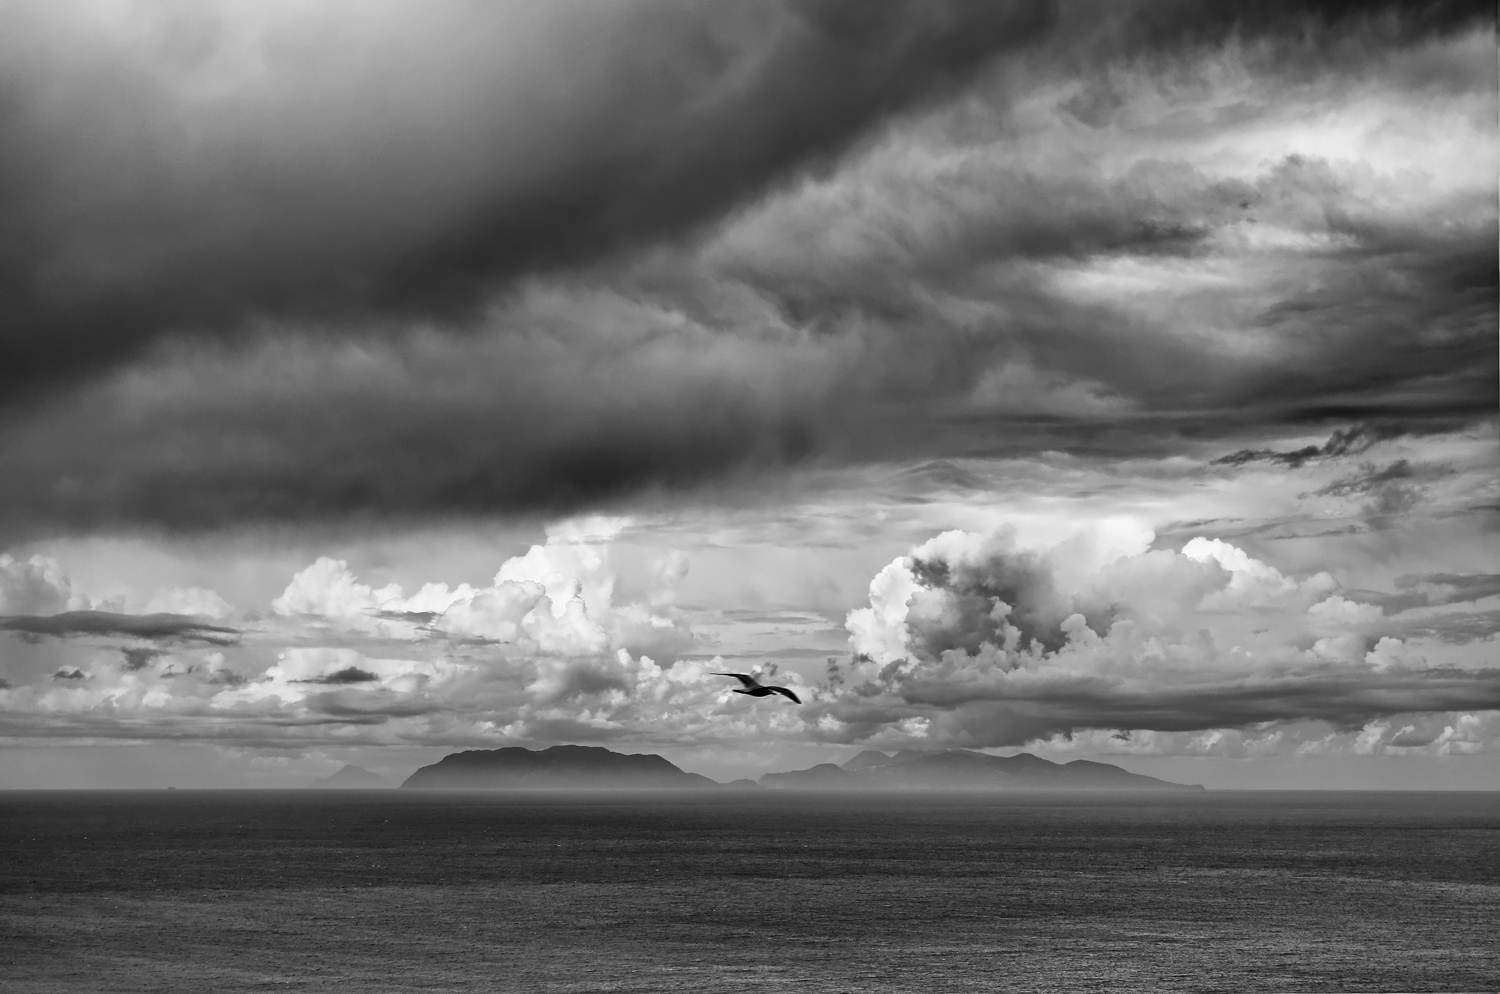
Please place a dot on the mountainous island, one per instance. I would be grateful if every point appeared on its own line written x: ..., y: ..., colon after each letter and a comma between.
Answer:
x: 963, y: 769
x: 350, y: 777
x: 567, y: 766
x: 592, y: 767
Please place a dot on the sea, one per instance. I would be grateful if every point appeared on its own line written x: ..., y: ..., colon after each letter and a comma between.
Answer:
x: 747, y: 890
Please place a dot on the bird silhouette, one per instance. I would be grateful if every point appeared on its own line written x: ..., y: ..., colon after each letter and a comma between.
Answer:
x: 755, y: 688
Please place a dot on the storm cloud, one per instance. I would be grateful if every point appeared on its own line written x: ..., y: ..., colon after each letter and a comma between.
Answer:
x: 461, y: 282
x: 228, y: 162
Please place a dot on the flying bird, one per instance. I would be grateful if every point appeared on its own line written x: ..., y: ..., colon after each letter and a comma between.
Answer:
x: 755, y: 688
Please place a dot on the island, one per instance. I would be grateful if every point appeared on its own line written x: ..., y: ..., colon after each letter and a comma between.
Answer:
x: 964, y: 769
x: 350, y: 777
x: 566, y: 766
x: 573, y: 767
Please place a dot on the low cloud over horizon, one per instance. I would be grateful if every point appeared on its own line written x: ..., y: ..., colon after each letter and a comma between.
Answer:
x: 1048, y: 631
x: 1073, y: 376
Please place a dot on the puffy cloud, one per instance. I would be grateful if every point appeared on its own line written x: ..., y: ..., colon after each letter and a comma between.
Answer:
x: 555, y: 600
x: 1469, y: 733
x: 39, y: 586
x: 1371, y: 737
x: 197, y: 601
x: 340, y: 695
x: 1455, y: 733
x: 1068, y: 637
x: 989, y: 643
x: 1253, y: 583
x: 1392, y: 653
x: 552, y: 618
x: 879, y: 631
x: 549, y: 651
x: 74, y: 642
x: 35, y: 586
x: 1417, y: 735
x: 327, y: 589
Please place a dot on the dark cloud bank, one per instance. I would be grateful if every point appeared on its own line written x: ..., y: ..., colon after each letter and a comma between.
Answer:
x: 403, y: 177
x: 148, y: 626
x: 459, y: 259
x: 347, y: 675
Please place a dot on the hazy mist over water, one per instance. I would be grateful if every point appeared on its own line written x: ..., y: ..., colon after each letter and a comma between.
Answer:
x: 756, y: 891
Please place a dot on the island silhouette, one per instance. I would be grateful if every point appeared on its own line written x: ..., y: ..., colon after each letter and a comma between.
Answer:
x: 350, y: 777
x: 593, y: 767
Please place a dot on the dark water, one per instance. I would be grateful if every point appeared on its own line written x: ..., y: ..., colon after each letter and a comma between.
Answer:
x: 395, y: 891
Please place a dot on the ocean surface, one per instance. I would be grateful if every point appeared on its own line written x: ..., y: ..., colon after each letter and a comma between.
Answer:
x: 747, y: 891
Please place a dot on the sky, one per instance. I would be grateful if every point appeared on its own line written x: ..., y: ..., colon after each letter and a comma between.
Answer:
x: 381, y: 379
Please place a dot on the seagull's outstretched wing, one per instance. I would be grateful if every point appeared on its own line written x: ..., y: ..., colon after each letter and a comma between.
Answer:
x: 744, y: 678
x: 786, y: 693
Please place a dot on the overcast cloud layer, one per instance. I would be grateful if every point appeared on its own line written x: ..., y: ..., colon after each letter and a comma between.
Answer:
x: 268, y: 264
x: 1113, y: 376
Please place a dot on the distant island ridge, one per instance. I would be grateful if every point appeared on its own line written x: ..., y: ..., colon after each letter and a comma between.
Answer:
x: 567, y: 766
x: 350, y: 777
x: 594, y: 767
x: 964, y: 769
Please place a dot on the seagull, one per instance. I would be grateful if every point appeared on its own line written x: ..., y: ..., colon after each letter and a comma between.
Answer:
x: 754, y: 688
